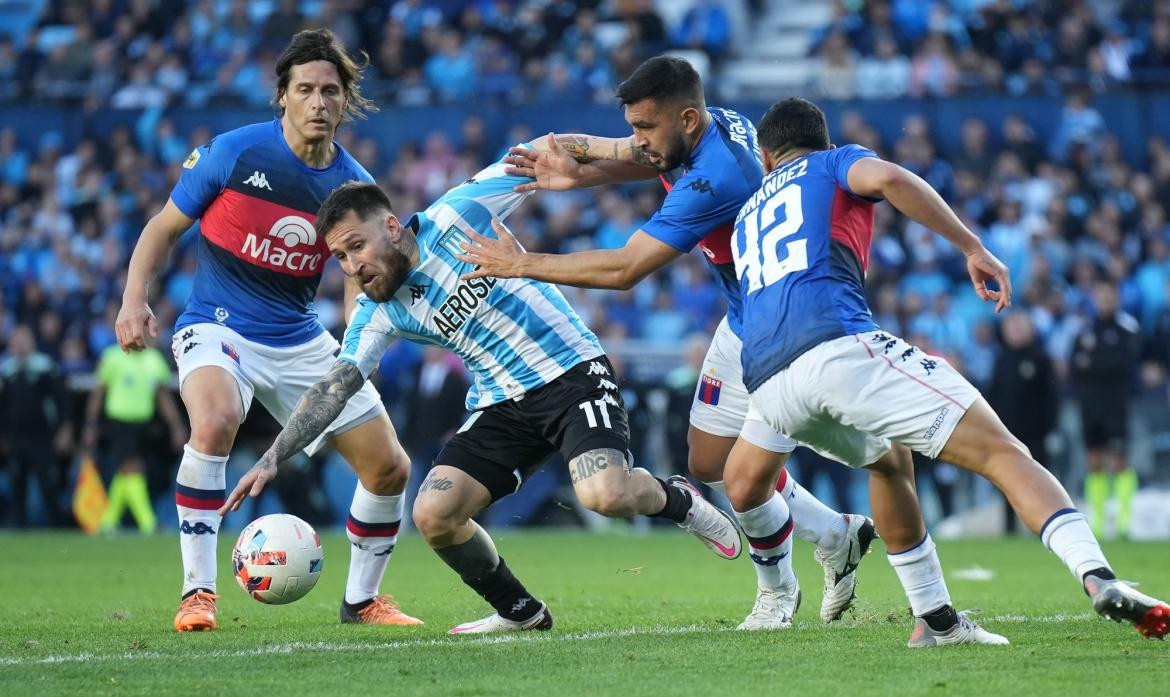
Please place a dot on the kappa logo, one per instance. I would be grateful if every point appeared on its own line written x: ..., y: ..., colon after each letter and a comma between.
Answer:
x: 598, y: 368
x: 703, y: 186
x: 519, y: 605
x: 190, y: 346
x: 187, y: 335
x: 610, y: 400
x: 604, y: 384
x: 258, y: 180
x: 417, y: 291
x: 199, y: 528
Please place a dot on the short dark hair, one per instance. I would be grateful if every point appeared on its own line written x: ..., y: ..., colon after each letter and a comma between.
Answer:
x: 321, y: 45
x: 363, y: 198
x: 791, y: 124
x: 663, y: 79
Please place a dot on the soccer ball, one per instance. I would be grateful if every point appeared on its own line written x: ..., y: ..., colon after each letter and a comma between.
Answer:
x: 278, y: 559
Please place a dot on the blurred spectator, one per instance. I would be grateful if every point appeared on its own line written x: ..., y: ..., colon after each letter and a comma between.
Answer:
x: 34, y: 416
x: 836, y: 71
x: 1024, y: 392
x: 885, y: 74
x: 933, y: 71
x: 705, y: 26
x: 1080, y: 124
x: 1104, y: 365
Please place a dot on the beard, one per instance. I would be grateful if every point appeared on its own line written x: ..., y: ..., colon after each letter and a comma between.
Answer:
x: 673, y: 155
x: 385, y: 284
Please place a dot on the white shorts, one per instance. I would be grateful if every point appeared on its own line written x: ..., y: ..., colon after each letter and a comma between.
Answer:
x: 721, y: 406
x: 277, y: 376
x: 849, y: 397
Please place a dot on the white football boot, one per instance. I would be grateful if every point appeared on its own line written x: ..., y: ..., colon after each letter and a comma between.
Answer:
x: 965, y: 631
x: 773, y: 609
x: 841, y: 566
x: 541, y: 621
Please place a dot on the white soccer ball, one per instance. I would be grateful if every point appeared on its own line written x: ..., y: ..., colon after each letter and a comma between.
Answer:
x: 278, y: 559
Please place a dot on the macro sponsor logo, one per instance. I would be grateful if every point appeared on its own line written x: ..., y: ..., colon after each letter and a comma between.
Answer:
x: 199, y: 528
x: 292, y: 232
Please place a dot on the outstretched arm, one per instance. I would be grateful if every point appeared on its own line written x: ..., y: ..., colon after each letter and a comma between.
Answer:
x: 315, y: 410
x: 913, y: 197
x: 618, y: 269
x: 573, y: 161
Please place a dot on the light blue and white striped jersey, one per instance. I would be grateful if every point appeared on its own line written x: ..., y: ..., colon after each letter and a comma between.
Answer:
x: 514, y: 335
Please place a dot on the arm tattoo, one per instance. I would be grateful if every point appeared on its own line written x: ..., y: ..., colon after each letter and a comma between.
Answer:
x: 588, y: 464
x: 577, y: 146
x: 639, y: 156
x: 315, y: 410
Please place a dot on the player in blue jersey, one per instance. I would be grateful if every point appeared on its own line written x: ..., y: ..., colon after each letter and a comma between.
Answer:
x: 708, y: 159
x: 249, y: 329
x: 542, y: 384
x: 818, y: 367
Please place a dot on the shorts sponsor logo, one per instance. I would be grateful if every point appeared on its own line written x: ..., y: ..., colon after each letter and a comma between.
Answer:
x: 938, y: 422
x: 709, y: 388
x: 230, y: 351
x: 189, y: 163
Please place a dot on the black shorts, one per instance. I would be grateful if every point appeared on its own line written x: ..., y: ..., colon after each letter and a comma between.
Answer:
x: 125, y: 440
x: 502, y: 445
x: 1105, y: 424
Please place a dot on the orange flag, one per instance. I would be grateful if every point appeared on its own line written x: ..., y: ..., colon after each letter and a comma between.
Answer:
x: 89, y: 496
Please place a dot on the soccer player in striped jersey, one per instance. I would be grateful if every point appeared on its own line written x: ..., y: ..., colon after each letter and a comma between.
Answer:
x: 818, y: 366
x: 249, y: 329
x: 542, y: 385
x: 708, y: 160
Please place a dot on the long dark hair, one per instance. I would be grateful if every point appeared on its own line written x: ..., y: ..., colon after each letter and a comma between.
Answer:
x: 321, y: 45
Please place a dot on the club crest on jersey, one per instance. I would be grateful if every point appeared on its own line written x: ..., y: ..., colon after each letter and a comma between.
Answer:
x: 189, y: 163
x: 709, y: 388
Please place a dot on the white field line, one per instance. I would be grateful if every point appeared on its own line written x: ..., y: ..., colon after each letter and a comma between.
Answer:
x: 325, y: 646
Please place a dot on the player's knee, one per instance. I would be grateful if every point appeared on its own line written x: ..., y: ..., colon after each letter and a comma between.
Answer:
x: 705, y: 469
x: 214, y: 432
x: 388, y: 474
x: 746, y: 493
x: 611, y: 501
x: 434, y: 521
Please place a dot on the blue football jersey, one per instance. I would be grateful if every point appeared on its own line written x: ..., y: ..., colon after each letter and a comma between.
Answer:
x: 801, y: 250
x: 704, y: 194
x: 514, y: 335
x: 259, y: 260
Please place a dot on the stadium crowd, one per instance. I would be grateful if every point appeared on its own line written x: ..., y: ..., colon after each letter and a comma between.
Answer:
x: 1064, y: 210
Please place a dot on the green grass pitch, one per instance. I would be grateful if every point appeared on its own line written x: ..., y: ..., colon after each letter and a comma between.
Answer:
x: 635, y: 615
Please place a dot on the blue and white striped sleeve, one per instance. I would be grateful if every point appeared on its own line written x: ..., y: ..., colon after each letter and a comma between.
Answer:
x: 492, y: 188
x: 367, y: 337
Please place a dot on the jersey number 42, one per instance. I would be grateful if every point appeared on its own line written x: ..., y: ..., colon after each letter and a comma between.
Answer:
x: 760, y: 262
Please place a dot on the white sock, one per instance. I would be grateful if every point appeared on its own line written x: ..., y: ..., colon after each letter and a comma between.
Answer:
x: 921, y: 575
x: 815, y: 522
x: 199, y: 493
x: 372, y: 529
x: 769, y: 531
x: 1068, y: 535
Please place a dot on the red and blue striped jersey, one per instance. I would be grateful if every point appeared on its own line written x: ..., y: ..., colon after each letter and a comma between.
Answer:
x: 704, y: 194
x: 259, y: 258
x: 801, y: 250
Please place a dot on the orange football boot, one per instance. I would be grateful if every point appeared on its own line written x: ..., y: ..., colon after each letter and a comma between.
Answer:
x: 383, y: 609
x: 196, y: 613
